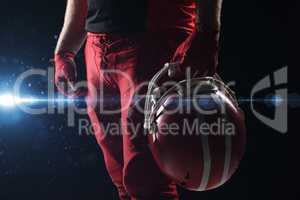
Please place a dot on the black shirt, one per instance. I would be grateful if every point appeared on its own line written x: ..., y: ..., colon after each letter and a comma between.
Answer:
x: 116, y: 16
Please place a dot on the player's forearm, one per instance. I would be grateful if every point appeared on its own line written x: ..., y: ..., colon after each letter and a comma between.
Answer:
x: 209, y: 15
x: 73, y: 33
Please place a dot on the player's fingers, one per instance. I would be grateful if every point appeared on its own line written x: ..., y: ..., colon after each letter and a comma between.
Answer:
x: 61, y: 86
x: 71, y: 86
x: 81, y: 92
x: 64, y: 86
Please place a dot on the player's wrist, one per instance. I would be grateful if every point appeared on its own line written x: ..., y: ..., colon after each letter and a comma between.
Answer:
x: 208, y: 32
x: 208, y: 28
x: 206, y: 36
x: 63, y: 55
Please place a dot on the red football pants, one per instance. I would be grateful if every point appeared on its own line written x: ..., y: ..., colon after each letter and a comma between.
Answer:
x: 116, y: 68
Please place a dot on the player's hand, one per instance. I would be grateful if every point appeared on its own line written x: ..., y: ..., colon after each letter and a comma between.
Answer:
x: 66, y: 74
x: 199, y: 52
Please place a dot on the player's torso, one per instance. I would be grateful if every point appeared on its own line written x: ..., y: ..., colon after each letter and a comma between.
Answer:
x: 111, y: 16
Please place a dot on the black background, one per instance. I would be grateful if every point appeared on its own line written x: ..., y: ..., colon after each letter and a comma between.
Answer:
x: 41, y: 158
